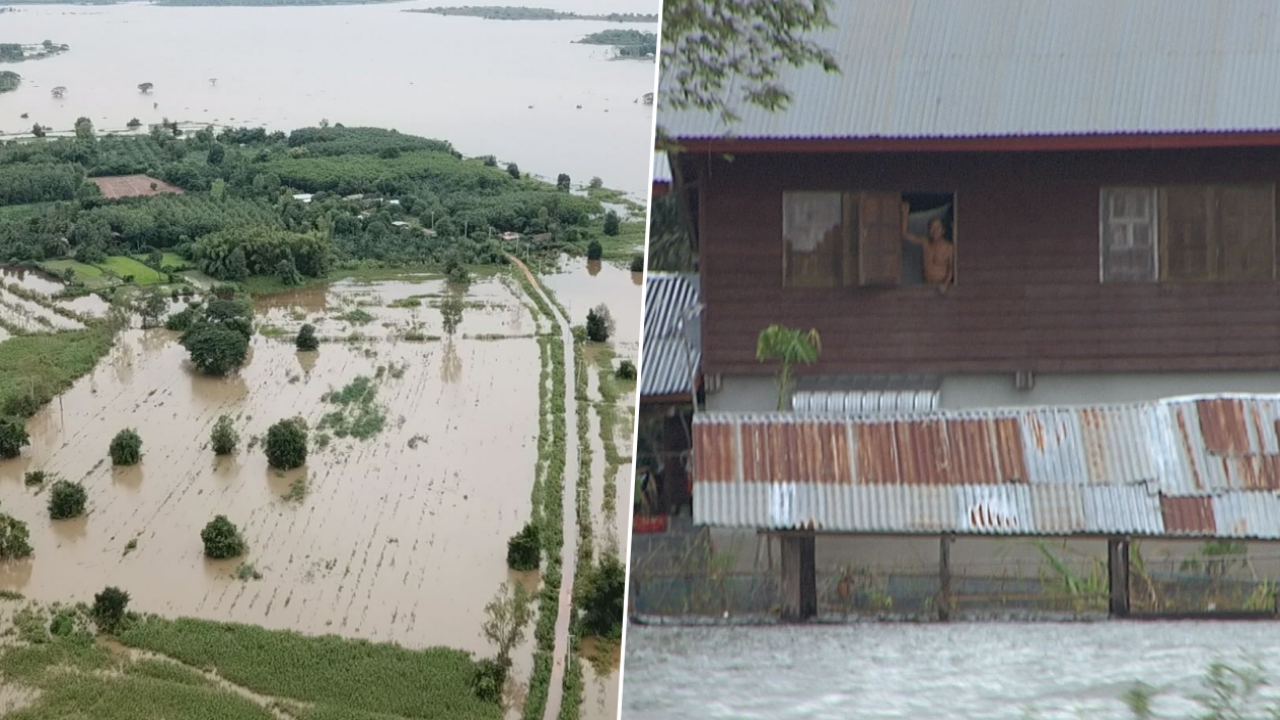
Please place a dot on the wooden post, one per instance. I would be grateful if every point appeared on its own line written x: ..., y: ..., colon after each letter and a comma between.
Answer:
x: 1118, y: 575
x: 944, y: 577
x: 799, y: 578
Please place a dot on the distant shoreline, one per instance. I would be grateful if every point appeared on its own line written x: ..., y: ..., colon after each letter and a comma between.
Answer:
x: 199, y: 3
x: 531, y: 13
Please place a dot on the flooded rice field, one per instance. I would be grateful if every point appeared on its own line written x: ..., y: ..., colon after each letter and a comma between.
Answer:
x: 967, y: 671
x: 617, y: 287
x: 399, y: 537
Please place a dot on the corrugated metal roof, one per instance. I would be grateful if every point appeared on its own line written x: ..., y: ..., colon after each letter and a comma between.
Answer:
x: 975, y: 68
x: 665, y: 363
x: 661, y: 170
x: 1185, y: 466
x: 963, y: 509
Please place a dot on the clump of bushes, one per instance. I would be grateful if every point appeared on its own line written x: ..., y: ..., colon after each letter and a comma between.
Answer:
x: 307, y: 339
x: 34, y: 477
x: 222, y: 539
x: 626, y: 370
x: 218, y: 338
x: 599, y: 598
x: 594, y: 250
x: 488, y: 680
x: 15, y: 539
x: 287, y: 444
x: 66, y: 500
x: 612, y: 223
x: 224, y: 438
x: 637, y: 263
x: 599, y: 324
x: 13, y: 437
x: 182, y: 320
x: 109, y: 609
x: 524, y: 549
x: 22, y: 405
x: 126, y: 447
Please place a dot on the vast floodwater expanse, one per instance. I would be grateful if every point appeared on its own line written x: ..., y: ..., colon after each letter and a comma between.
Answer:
x: 467, y: 80
x: 967, y: 671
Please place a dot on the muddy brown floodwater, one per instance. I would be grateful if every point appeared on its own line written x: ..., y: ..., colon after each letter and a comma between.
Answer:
x: 400, y: 537
x: 582, y: 284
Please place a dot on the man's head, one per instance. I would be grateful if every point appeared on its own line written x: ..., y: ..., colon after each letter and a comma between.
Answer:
x: 937, y: 230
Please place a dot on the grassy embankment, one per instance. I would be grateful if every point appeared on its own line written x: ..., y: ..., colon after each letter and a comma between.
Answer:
x: 229, y: 672
x: 548, y: 496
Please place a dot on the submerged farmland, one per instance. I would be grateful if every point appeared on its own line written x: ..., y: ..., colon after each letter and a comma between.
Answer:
x: 436, y: 410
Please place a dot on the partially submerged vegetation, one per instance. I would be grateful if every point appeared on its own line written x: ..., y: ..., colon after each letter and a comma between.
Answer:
x: 533, y: 13
x: 199, y: 669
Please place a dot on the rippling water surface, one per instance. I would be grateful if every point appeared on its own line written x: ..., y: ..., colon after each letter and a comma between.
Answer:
x: 977, y: 671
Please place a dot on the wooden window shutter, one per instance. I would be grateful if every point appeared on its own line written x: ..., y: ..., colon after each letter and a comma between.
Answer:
x: 1246, y: 232
x: 880, y: 235
x: 852, y: 231
x: 812, y: 239
x: 1128, y: 227
x: 1188, y: 245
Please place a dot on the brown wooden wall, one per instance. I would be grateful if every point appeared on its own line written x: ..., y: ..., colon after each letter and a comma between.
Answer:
x: 1027, y: 293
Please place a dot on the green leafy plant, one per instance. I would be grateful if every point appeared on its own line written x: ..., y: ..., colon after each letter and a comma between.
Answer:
x: 66, y: 500
x: 13, y: 437
x: 307, y: 339
x: 34, y: 477
x: 287, y: 444
x: 524, y: 549
x: 126, y: 448
x: 109, y: 609
x: 224, y: 438
x: 600, y: 324
x: 600, y: 596
x: 626, y: 370
x: 594, y: 250
x: 787, y: 346
x: 222, y: 539
x: 15, y: 539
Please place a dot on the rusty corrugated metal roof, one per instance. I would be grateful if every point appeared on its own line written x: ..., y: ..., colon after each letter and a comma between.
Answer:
x: 1187, y: 466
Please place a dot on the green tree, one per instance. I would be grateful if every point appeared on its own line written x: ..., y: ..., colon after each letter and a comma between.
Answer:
x: 612, y: 225
x: 151, y: 307
x: 145, y: 87
x: 224, y: 438
x: 599, y: 324
x: 637, y: 263
x: 524, y: 549
x: 626, y: 370
x: 595, y: 250
x: 15, y: 539
x: 222, y: 539
x: 37, y: 131
x: 84, y: 128
x: 451, y: 312
x: 287, y: 444
x: 712, y: 48
x: 126, y: 448
x: 218, y: 190
x: 600, y: 598
x: 66, y: 500
x: 109, y: 609
x: 514, y: 171
x: 596, y: 183
x: 307, y: 339
x: 506, y: 617
x: 215, y: 349
x: 788, y: 346
x: 236, y: 267
x: 13, y: 437
x: 216, y: 154
x: 563, y: 183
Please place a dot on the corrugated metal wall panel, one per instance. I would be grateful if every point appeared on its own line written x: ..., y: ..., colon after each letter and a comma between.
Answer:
x: 995, y: 510
x: 1188, y: 515
x: 1058, y: 509
x: 1122, y: 509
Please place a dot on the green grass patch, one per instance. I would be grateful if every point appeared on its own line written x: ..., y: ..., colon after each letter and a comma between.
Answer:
x: 91, y: 276
x: 342, y: 677
x: 123, y: 267
x: 628, y: 242
x: 169, y: 262
x: 41, y: 366
x: 358, y: 414
x: 22, y: 212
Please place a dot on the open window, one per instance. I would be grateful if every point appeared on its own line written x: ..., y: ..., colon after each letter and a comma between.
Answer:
x: 857, y: 238
x: 1188, y: 233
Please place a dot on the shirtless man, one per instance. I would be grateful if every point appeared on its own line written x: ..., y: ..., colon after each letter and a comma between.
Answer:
x: 939, y: 254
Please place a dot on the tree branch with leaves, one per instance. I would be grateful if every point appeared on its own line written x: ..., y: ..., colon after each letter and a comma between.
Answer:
x: 789, y: 346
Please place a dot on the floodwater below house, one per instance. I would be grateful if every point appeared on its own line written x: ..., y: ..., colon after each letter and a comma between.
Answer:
x: 399, y: 537
x: 966, y: 671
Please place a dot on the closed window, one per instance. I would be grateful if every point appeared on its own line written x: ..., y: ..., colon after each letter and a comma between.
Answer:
x: 1188, y: 233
